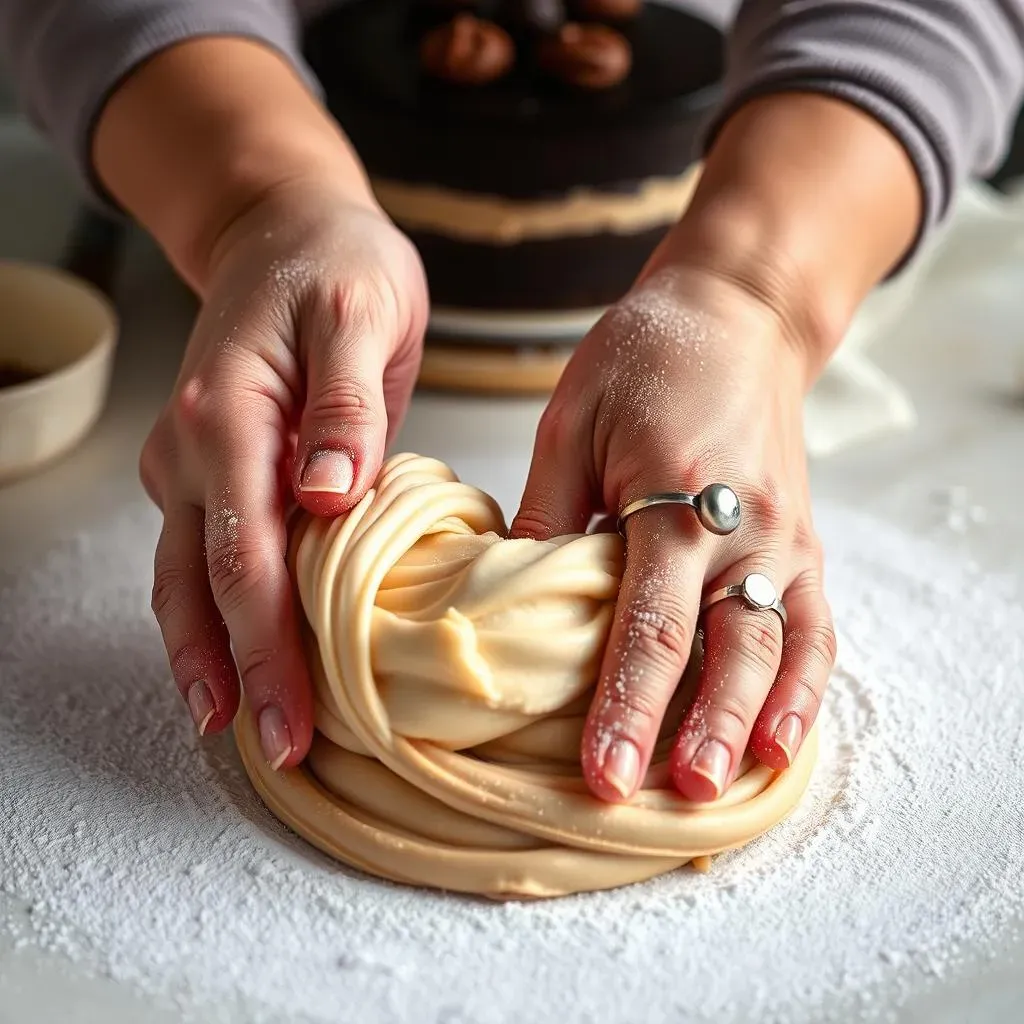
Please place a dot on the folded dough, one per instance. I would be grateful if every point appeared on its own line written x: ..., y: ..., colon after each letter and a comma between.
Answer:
x: 453, y: 669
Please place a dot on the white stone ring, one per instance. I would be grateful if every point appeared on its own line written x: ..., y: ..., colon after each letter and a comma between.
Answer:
x: 756, y: 591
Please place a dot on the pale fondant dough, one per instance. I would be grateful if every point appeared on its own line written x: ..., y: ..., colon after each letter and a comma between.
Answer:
x: 453, y: 669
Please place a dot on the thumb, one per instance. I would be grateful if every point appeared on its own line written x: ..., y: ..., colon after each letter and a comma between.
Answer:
x: 559, y: 494
x: 344, y: 426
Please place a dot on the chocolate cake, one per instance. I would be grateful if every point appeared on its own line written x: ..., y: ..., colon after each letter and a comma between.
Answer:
x: 534, y: 151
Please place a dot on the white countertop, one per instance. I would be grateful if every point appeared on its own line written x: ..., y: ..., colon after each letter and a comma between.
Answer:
x: 970, y: 435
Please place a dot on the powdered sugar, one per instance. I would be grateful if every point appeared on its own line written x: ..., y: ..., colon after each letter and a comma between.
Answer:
x: 143, y: 852
x: 648, y: 338
x: 296, y: 272
x: 958, y: 510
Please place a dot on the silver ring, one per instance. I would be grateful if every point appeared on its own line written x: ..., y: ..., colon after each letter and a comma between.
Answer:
x: 756, y: 591
x: 717, y: 507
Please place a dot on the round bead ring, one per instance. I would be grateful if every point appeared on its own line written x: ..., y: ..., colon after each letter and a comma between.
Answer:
x: 717, y: 507
x: 756, y: 591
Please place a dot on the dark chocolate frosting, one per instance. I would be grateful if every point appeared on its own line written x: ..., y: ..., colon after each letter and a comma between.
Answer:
x: 576, y: 272
x: 526, y: 135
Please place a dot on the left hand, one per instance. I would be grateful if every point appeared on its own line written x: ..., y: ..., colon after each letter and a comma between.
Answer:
x: 692, y: 379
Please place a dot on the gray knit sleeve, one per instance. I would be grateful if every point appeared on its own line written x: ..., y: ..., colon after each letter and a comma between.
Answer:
x: 66, y: 56
x: 945, y: 76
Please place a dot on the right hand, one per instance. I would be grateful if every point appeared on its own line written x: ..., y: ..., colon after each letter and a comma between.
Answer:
x: 298, y: 372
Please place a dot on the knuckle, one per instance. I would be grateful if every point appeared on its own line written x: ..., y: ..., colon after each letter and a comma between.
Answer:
x: 641, y: 465
x: 362, y: 303
x: 808, y: 586
x: 188, y: 403
x: 168, y: 595
x: 662, y: 633
x: 693, y: 472
x: 636, y: 706
x: 154, y: 462
x: 806, y: 544
x: 557, y: 427
x: 236, y: 572
x: 727, y: 713
x: 253, y: 660
x: 341, y: 397
x: 769, y: 506
x: 535, y: 521
x: 822, y: 643
x: 207, y: 412
x: 759, y: 643
x: 806, y: 693
x: 197, y: 412
x: 148, y: 467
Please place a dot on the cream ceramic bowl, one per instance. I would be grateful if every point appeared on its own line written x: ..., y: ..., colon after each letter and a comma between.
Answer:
x: 63, y: 332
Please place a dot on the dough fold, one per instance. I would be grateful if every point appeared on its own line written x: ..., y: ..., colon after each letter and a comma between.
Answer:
x: 453, y: 669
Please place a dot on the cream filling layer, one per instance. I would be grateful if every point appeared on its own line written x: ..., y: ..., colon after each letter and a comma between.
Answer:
x: 495, y: 220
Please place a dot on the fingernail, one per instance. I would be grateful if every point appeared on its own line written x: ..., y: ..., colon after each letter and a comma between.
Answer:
x: 622, y: 767
x: 712, y: 760
x: 200, y: 705
x: 788, y: 736
x: 275, y: 736
x: 328, y: 472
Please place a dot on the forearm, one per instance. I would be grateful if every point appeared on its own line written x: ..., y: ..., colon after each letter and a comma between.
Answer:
x: 807, y: 202
x: 944, y: 76
x: 67, y: 56
x: 205, y: 128
x: 178, y: 110
x: 846, y: 128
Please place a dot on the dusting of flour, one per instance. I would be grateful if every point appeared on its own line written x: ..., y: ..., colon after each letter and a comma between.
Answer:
x: 142, y: 853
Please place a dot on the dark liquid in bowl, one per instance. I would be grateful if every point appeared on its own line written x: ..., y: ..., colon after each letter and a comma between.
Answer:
x: 12, y: 375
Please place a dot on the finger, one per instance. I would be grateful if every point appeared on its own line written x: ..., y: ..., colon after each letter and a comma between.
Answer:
x: 808, y: 655
x: 344, y: 426
x: 242, y: 441
x: 400, y: 382
x: 648, y: 648
x: 157, y: 453
x: 559, y: 495
x: 742, y: 651
x: 198, y: 647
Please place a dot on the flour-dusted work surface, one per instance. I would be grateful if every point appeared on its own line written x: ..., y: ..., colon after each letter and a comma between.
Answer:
x: 140, y: 879
x: 144, y: 854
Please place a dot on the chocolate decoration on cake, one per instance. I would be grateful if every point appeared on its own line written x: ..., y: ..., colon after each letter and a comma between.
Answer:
x: 526, y: 197
x: 586, y: 56
x: 468, y: 50
x: 606, y: 10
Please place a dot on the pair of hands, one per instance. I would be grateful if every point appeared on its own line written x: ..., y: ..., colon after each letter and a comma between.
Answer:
x: 297, y: 375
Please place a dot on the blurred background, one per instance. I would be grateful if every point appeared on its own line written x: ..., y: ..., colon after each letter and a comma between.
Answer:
x: 39, y: 199
x: 38, y: 196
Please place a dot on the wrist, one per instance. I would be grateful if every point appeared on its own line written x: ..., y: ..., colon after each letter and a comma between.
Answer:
x: 204, y: 131
x: 805, y: 204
